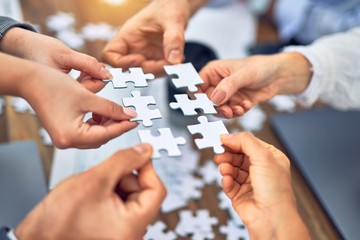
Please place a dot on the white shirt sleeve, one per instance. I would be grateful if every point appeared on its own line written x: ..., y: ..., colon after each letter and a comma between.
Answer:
x: 336, y: 63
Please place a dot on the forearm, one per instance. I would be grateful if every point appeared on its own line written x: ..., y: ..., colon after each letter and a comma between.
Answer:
x: 16, y: 74
x: 9, y: 35
x: 20, y: 42
x: 335, y: 62
x: 292, y: 73
x: 283, y: 224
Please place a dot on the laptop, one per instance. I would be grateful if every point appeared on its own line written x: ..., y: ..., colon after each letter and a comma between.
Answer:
x: 325, y: 146
x: 22, y: 181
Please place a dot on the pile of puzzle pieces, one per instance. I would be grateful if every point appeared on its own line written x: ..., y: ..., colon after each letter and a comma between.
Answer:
x: 185, y: 76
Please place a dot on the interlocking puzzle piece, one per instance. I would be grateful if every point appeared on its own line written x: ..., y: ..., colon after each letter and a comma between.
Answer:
x: 134, y: 75
x: 187, y: 76
x: 199, y: 226
x: 234, y: 232
x: 188, y: 106
x: 211, y: 132
x: 165, y: 141
x: 157, y: 231
x: 140, y: 103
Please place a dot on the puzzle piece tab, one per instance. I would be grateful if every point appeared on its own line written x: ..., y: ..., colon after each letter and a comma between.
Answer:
x: 187, y: 76
x: 165, y: 141
x: 188, y: 106
x: 134, y: 75
x: 140, y: 103
x: 211, y: 132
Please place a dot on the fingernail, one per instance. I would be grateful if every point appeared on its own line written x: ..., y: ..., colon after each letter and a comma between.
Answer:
x: 130, y: 112
x: 218, y: 96
x: 105, y: 73
x: 141, y: 148
x: 174, y: 56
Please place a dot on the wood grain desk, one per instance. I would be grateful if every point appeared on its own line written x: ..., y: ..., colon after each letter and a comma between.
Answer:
x: 14, y: 126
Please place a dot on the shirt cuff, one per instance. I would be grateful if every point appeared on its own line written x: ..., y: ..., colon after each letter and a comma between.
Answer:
x: 7, y: 23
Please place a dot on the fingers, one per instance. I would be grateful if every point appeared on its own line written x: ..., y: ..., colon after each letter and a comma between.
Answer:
x: 121, y: 164
x: 174, y: 41
x: 154, y: 189
x: 109, y: 109
x: 226, y: 89
x: 87, y: 64
x: 247, y: 144
x: 94, y: 135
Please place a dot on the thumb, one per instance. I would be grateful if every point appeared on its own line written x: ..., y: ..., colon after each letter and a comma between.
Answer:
x: 226, y: 89
x: 247, y: 144
x: 109, y: 109
x: 122, y: 163
x: 174, y: 41
x: 89, y: 65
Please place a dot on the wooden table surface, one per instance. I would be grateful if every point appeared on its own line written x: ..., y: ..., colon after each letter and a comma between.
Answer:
x: 15, y: 126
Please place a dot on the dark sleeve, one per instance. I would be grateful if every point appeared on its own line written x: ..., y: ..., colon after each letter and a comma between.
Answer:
x: 7, y: 23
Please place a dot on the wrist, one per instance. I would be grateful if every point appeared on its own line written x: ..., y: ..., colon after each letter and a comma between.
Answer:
x: 294, y: 73
x: 282, y: 223
x: 15, y: 42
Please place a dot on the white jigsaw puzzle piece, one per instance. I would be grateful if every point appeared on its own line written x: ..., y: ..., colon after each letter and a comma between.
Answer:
x: 2, y: 104
x: 164, y: 141
x: 188, y: 106
x: 211, y: 132
x: 134, y: 75
x: 187, y: 76
x: 199, y: 226
x: 21, y: 105
x: 46, y: 137
x: 141, y: 103
x: 157, y: 232
x: 234, y: 232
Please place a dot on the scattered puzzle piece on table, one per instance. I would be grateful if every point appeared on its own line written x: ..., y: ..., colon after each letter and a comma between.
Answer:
x: 210, y: 173
x: 2, y: 104
x: 188, y: 106
x: 234, y: 232
x: 21, y: 105
x: 187, y: 76
x: 134, y: 75
x: 157, y: 232
x: 45, y: 137
x: 141, y: 103
x: 211, y: 132
x: 164, y: 141
x: 199, y: 226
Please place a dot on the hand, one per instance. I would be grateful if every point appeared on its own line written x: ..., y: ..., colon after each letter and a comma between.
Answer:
x: 61, y: 104
x: 152, y: 38
x: 256, y: 177
x: 54, y: 53
x: 108, y: 201
x: 238, y: 85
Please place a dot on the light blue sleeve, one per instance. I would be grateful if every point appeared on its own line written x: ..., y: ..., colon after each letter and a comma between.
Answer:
x: 307, y: 20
